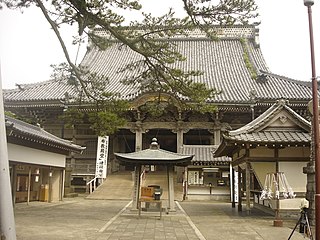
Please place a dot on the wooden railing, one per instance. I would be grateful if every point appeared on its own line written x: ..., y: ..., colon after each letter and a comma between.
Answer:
x: 94, y: 183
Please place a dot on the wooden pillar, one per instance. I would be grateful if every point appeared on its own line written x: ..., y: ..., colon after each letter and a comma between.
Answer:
x: 136, y: 189
x: 239, y: 189
x: 180, y: 130
x: 248, y: 184
x: 138, y: 140
x: 217, y: 135
x: 61, y: 184
x: 180, y: 170
x: 171, y: 204
x: 29, y: 186
x: 277, y: 222
x: 50, y: 184
x: 67, y: 182
x: 179, y: 140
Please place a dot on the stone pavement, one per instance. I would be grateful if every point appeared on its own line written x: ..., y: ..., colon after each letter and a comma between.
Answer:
x: 81, y: 218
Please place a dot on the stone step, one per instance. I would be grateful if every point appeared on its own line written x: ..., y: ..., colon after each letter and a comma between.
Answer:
x: 119, y: 186
x: 115, y: 187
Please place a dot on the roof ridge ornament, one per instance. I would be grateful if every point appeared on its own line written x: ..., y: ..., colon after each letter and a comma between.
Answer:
x: 20, y: 86
x: 282, y: 102
x: 235, y: 31
x: 154, y: 144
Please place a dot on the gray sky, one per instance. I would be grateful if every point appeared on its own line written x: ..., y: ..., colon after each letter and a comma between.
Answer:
x: 28, y: 46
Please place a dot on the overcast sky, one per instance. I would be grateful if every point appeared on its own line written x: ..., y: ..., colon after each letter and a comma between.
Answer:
x: 28, y: 46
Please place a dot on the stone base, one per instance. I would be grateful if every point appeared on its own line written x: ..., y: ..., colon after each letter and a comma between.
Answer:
x: 278, y: 223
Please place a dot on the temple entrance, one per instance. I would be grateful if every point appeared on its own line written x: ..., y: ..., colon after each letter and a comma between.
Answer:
x: 198, y: 137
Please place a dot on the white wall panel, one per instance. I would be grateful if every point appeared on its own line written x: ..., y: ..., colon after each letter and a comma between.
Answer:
x: 28, y: 155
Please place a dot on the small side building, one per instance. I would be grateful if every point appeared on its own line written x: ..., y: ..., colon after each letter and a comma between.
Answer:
x: 278, y: 141
x: 37, y: 161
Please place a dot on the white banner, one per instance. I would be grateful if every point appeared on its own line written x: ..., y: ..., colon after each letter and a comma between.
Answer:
x: 102, y: 157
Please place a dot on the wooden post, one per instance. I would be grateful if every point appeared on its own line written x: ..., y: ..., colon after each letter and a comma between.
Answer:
x: 171, y: 204
x: 179, y: 140
x: 29, y: 186
x: 180, y: 170
x: 61, y: 184
x: 217, y: 136
x: 138, y: 139
x: 50, y: 185
x: 248, y: 184
x: 277, y: 222
x: 232, y: 187
x: 239, y: 189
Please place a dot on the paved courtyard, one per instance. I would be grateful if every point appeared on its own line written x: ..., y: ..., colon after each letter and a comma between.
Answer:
x: 79, y: 218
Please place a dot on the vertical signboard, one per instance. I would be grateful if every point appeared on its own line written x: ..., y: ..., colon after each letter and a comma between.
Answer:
x: 102, y: 157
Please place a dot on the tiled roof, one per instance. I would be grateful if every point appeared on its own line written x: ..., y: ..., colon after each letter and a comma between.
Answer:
x: 204, y: 154
x: 222, y: 63
x: 42, y: 91
x: 155, y: 155
x: 27, y: 132
x: 261, y: 132
x: 271, y: 112
x: 280, y: 136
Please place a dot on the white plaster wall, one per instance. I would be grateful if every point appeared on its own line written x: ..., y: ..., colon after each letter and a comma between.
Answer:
x: 294, y: 174
x: 33, y: 156
x: 292, y: 170
x: 262, y: 168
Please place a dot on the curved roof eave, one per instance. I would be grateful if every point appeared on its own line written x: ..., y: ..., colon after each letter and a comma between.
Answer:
x: 154, y: 155
x: 33, y: 133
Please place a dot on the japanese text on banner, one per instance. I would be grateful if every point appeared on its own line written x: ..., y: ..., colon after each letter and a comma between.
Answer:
x: 102, y: 157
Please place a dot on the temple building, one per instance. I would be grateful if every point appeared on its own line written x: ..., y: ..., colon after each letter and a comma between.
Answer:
x: 274, y: 147
x: 234, y: 65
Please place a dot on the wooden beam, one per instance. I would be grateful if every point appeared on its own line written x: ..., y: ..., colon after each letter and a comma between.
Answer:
x: 243, y: 159
x: 280, y: 159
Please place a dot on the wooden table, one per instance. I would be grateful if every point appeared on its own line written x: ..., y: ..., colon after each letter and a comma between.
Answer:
x: 150, y: 200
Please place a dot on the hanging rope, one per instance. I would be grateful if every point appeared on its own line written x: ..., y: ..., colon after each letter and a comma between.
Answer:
x: 275, y: 186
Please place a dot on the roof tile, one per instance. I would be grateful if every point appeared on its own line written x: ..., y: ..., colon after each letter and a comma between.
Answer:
x: 220, y: 61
